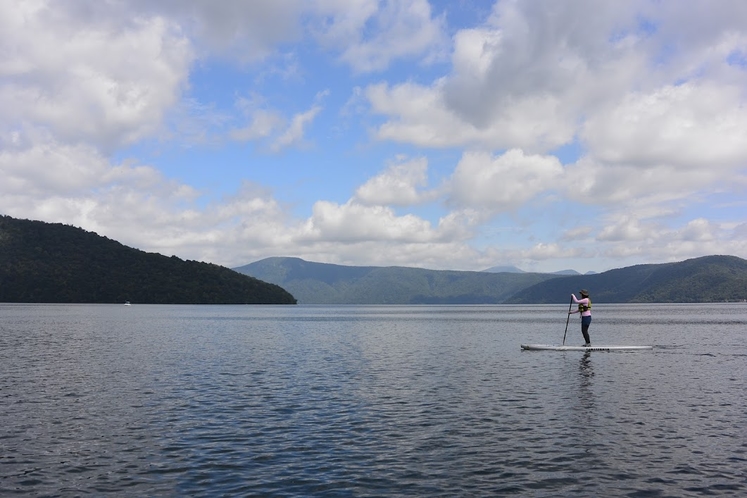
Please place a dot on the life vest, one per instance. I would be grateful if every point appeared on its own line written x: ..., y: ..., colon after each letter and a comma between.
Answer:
x: 585, y: 307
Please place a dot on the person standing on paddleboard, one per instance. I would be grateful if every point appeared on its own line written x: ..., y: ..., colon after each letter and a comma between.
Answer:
x: 584, y: 307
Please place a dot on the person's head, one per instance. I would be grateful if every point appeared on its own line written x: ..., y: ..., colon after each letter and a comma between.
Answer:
x: 584, y: 293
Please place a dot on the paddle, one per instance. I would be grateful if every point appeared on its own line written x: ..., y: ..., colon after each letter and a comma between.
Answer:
x: 570, y: 305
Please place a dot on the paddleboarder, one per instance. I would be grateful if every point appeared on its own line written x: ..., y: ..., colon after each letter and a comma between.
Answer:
x: 584, y: 307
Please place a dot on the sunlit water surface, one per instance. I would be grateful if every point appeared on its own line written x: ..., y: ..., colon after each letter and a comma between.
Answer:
x: 370, y: 401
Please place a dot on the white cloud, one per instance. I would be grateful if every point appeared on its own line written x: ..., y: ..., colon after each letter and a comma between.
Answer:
x: 543, y: 251
x: 367, y: 34
x: 109, y: 85
x: 294, y: 134
x: 397, y: 186
x: 75, y: 184
x: 46, y: 168
x: 689, y: 126
x: 502, y: 183
x: 535, y: 77
x: 243, y: 31
x: 271, y: 125
x: 419, y: 115
x: 352, y: 222
x: 371, y: 34
x: 699, y: 230
x: 651, y: 93
x: 523, y: 80
x: 578, y: 233
x: 630, y: 237
x: 263, y: 123
x: 628, y: 229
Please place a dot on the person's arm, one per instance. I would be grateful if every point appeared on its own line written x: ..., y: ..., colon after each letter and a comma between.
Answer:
x: 584, y: 301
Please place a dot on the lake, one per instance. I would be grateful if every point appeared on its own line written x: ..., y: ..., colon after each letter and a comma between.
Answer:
x: 371, y: 401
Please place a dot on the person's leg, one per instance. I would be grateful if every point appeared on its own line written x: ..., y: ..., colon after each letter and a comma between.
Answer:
x: 585, y: 323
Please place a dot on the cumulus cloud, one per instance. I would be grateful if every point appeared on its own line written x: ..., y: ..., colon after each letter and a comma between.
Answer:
x: 689, y: 126
x: 371, y: 34
x: 502, y: 183
x: 627, y: 229
x: 627, y: 236
x: 397, y: 186
x: 367, y: 34
x: 419, y: 115
x: 543, y: 251
x: 356, y: 222
x: 699, y: 230
x: 244, y: 31
x: 76, y: 184
x: 537, y: 77
x: 651, y: 95
x: 524, y: 79
x: 108, y: 85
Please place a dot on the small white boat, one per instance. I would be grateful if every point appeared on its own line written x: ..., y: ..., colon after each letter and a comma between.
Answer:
x: 127, y: 303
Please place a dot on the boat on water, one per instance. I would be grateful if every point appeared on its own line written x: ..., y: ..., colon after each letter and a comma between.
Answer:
x: 127, y: 303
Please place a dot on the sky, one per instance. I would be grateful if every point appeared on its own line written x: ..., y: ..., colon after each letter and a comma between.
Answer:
x: 441, y: 134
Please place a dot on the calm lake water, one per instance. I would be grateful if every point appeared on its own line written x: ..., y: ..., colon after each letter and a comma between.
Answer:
x: 370, y: 401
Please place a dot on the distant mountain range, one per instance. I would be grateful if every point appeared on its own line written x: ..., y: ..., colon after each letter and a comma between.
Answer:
x: 54, y: 263
x: 513, y: 269
x: 504, y: 269
x: 706, y: 279
x: 322, y: 283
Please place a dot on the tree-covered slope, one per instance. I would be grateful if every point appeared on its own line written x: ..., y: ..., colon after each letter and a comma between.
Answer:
x: 55, y: 263
x: 322, y: 283
x: 706, y: 279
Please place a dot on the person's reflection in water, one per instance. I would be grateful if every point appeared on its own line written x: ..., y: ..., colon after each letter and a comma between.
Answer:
x: 586, y: 371
x: 586, y: 367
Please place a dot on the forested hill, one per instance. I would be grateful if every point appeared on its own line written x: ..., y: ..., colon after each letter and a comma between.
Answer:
x: 54, y: 263
x: 707, y: 279
x: 322, y: 283
x: 700, y: 280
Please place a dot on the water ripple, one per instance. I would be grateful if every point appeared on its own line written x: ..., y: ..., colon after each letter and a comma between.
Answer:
x: 366, y: 401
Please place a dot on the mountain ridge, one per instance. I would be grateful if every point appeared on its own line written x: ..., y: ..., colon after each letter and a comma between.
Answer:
x: 324, y: 283
x: 717, y: 278
x: 55, y: 263
x: 515, y: 269
x: 46, y: 262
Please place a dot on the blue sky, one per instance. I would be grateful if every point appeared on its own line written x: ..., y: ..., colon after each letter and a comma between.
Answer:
x: 443, y: 134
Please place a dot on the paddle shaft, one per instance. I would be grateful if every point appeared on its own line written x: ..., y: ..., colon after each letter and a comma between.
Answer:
x: 570, y: 305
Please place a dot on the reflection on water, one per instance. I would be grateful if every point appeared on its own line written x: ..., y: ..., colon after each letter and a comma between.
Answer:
x: 585, y: 390
x: 369, y: 401
x: 586, y: 368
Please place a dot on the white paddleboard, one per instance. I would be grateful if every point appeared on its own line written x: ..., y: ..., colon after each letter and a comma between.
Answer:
x: 594, y: 347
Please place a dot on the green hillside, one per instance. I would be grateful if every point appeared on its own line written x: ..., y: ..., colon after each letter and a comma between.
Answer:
x: 321, y: 283
x: 704, y: 280
x: 54, y: 263
x: 707, y: 279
